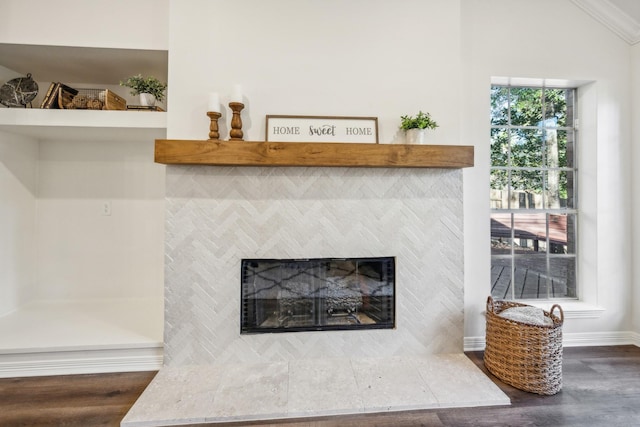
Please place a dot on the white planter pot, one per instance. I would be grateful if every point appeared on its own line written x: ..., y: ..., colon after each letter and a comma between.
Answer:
x: 417, y: 136
x: 147, y: 100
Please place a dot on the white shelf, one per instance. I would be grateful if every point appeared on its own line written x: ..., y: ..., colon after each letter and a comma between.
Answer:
x: 82, y: 336
x: 81, y: 324
x: 83, y: 65
x: 84, y: 124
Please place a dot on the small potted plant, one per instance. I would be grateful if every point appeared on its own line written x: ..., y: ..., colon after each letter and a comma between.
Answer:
x: 150, y: 89
x: 416, y: 127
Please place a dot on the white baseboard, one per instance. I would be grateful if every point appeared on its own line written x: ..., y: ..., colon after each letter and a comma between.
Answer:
x: 106, y: 360
x: 79, y: 361
x: 584, y: 339
x: 588, y: 339
x: 474, y: 343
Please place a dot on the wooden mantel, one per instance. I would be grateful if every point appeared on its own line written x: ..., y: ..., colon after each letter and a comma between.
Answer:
x: 261, y: 153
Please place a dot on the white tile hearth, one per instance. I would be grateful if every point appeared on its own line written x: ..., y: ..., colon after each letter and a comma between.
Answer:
x: 326, y: 386
x: 394, y: 383
x: 309, y: 388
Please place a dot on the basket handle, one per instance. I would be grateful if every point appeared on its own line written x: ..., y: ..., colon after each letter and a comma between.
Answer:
x: 490, y: 304
x: 561, y: 312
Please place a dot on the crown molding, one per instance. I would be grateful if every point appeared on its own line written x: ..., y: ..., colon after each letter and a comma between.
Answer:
x: 613, y: 18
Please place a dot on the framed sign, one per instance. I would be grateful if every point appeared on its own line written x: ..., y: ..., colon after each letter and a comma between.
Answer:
x: 322, y: 129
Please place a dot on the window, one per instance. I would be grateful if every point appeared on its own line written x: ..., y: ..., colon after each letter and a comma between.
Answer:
x: 533, y: 193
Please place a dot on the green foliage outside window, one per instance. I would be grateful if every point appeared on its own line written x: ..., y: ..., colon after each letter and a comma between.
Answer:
x: 527, y: 132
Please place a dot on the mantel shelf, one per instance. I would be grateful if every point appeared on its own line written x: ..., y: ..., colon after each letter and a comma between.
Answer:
x: 262, y: 153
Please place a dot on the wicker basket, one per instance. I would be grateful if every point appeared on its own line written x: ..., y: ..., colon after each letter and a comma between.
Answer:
x: 528, y: 357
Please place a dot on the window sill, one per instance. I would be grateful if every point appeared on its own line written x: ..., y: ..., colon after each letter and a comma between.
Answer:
x: 571, y: 309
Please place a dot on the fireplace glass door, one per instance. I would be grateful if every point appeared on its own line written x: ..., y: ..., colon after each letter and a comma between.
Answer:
x: 317, y: 294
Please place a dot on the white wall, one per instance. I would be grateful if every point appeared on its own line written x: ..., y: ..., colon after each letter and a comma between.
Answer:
x: 509, y: 38
x: 18, y: 188
x: 635, y: 183
x: 56, y: 243
x: 132, y: 24
x: 83, y: 253
x: 18, y: 208
x: 310, y: 57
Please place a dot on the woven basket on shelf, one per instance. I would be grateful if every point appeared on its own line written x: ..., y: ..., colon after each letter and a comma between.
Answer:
x: 528, y: 357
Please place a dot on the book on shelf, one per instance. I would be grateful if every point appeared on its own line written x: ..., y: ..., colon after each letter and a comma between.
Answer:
x: 52, y: 92
x: 48, y: 94
x: 56, y: 93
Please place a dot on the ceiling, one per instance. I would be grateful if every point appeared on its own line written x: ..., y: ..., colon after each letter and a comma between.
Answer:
x: 620, y: 16
x: 631, y: 7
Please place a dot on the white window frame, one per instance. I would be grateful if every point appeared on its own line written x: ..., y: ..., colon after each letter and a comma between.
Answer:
x: 587, y: 305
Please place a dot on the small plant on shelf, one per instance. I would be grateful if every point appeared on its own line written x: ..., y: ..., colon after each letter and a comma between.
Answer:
x: 416, y: 127
x: 151, y: 85
x: 420, y: 121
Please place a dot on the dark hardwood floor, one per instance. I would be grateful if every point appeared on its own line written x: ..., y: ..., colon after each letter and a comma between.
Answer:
x: 601, y: 388
x: 70, y: 400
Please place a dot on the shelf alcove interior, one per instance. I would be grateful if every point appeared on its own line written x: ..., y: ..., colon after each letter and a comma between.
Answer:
x: 87, y: 285
x: 82, y: 322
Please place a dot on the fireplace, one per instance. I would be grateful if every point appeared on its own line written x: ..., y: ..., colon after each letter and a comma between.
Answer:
x: 321, y: 294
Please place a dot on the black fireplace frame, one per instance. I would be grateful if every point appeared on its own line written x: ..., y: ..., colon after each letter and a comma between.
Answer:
x: 385, y: 304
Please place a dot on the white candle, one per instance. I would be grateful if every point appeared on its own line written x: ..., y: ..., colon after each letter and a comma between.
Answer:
x: 237, y: 94
x: 214, y: 102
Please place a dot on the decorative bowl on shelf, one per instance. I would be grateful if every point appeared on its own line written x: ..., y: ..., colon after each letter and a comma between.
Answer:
x: 18, y: 92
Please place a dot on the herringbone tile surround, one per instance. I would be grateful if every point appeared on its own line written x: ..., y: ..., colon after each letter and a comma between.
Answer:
x: 216, y: 216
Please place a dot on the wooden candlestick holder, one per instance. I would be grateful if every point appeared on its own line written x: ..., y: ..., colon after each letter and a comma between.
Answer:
x: 236, y: 133
x: 214, y: 134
